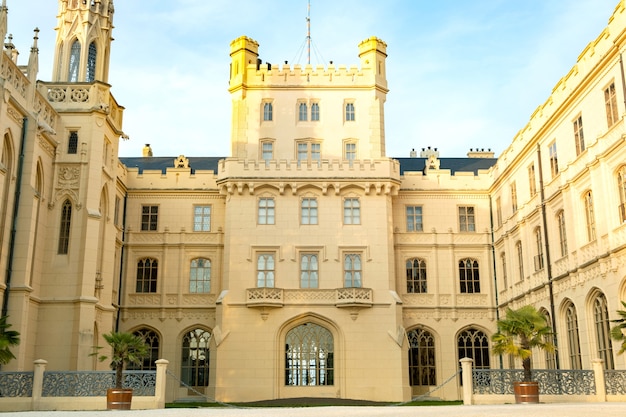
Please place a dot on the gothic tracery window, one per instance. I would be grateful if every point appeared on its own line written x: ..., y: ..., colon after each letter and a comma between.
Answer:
x: 309, y: 356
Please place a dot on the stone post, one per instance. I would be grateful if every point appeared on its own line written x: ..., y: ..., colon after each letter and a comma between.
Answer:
x: 598, y: 372
x: 39, y: 369
x: 466, y: 372
x: 159, y: 388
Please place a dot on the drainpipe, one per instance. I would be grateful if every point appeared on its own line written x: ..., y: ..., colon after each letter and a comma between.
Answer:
x: 621, y: 67
x: 121, y: 284
x: 547, y: 251
x: 16, y: 205
x: 495, y: 276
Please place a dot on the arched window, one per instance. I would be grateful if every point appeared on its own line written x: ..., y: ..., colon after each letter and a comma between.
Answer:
x: 422, y: 369
x: 560, y: 218
x: 468, y: 276
x: 194, y: 369
x: 352, y: 271
x: 573, y: 339
x: 603, y: 331
x: 416, y: 276
x: 474, y: 344
x: 504, y: 272
x: 64, y: 230
x: 520, y: 260
x: 309, y: 356
x: 621, y: 189
x: 267, y: 112
x: 74, y: 63
x: 302, y: 112
x: 152, y: 340
x: 200, y: 276
x: 147, y: 270
x: 550, y: 356
x: 315, y: 112
x: 539, y: 248
x: 590, y: 217
x: 91, y: 63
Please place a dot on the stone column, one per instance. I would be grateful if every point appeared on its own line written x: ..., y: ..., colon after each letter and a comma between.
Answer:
x: 598, y: 372
x: 468, y: 389
x: 159, y: 389
x: 39, y: 369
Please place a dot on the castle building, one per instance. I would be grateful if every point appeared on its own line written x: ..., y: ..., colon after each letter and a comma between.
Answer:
x: 308, y: 263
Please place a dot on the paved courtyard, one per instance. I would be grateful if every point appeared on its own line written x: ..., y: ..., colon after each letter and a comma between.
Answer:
x: 511, y: 410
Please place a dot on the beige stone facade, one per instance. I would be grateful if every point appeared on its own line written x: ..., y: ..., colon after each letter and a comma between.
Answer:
x: 307, y: 263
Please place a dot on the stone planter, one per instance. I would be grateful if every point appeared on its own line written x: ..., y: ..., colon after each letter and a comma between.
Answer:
x: 526, y: 392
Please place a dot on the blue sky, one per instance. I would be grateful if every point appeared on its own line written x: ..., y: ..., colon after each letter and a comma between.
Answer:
x: 462, y: 73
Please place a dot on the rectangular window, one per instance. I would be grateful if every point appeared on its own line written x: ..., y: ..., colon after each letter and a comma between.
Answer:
x: 610, y: 100
x: 302, y: 112
x: 414, y: 219
x: 590, y: 216
x: 499, y: 211
x: 267, y: 150
x: 116, y: 215
x: 268, y: 111
x: 308, y: 150
x: 514, y: 197
x: 562, y: 235
x: 520, y: 260
x: 504, y: 273
x: 350, y: 151
x: 579, y: 137
x: 532, y: 183
x: 466, y: 219
x: 554, y: 162
x: 352, y: 271
x: 202, y: 219
x: 309, y: 270
x: 349, y: 112
x: 72, y: 143
x: 200, y: 276
x: 266, y: 210
x: 351, y: 211
x: 149, y: 218
x: 308, y: 213
x: 265, y: 270
x: 315, y: 112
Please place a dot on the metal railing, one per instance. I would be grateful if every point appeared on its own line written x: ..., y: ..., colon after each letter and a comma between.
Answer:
x: 551, y: 382
x: 16, y: 384
x: 95, y: 383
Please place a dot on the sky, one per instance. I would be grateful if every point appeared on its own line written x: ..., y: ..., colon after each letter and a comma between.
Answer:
x: 462, y: 73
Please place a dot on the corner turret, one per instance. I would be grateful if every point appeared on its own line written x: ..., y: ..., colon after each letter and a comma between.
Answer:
x: 243, y: 52
x: 373, y: 54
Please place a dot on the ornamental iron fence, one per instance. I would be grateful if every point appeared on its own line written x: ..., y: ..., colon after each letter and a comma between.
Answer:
x: 551, y: 381
x: 615, y: 382
x: 16, y: 384
x: 95, y: 383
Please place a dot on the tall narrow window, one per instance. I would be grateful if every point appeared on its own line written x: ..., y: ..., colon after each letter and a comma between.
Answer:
x: 513, y: 197
x: 414, y: 219
x: 194, y: 368
x: 422, y: 368
x: 590, y: 217
x: 573, y: 339
x: 302, y: 112
x: 200, y: 276
x: 72, y: 142
x: 350, y: 112
x: 352, y: 271
x: 309, y: 356
x: 466, y: 219
x: 116, y: 215
x: 309, y: 270
x: 554, y: 160
x: 202, y: 219
x: 504, y: 271
x: 539, y: 247
x: 603, y: 331
x: 308, y: 214
x: 416, y: 276
x: 315, y: 112
x: 267, y: 112
x: 469, y: 277
x: 64, y: 230
x: 149, y: 362
x: 265, y: 270
x: 562, y: 234
x: 91, y: 63
x: 351, y: 211
x: 266, y: 210
x: 349, y: 151
x: 520, y: 260
x: 610, y: 100
x: 579, y: 137
x: 474, y: 344
x: 149, y: 218
x: 621, y: 189
x: 74, y: 63
x: 267, y: 150
x: 532, y: 182
x: 550, y: 356
x: 499, y: 211
x: 147, y: 271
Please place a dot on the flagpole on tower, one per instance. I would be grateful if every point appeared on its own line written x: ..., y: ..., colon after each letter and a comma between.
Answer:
x: 308, y: 33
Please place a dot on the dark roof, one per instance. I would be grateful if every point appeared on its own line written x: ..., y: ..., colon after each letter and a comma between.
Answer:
x: 453, y: 164
x: 406, y: 164
x: 161, y: 163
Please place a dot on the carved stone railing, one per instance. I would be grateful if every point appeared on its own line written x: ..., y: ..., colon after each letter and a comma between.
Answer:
x: 96, y: 383
x: 264, y: 297
x: 354, y: 297
x: 16, y: 384
x: 551, y: 382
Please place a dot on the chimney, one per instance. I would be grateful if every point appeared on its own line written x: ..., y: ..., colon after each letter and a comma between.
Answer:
x: 413, y: 154
x: 147, y: 151
x: 480, y: 153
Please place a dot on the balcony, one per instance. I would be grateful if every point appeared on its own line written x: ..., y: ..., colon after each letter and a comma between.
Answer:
x: 354, y: 297
x: 264, y: 297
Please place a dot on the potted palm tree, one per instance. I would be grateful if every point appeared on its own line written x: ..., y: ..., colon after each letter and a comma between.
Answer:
x: 617, y: 332
x: 519, y: 332
x: 8, y: 338
x: 126, y: 348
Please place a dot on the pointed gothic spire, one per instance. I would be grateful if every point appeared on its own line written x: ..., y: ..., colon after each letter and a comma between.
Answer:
x: 3, y: 20
x: 33, y: 59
